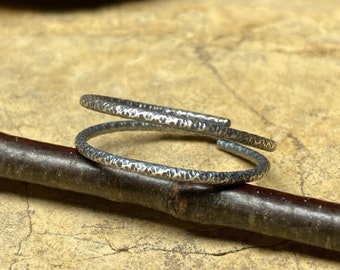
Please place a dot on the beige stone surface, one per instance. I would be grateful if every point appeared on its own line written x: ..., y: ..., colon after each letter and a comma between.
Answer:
x: 272, y: 67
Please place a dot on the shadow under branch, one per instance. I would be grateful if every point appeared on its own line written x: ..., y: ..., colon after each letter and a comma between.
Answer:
x: 252, y: 240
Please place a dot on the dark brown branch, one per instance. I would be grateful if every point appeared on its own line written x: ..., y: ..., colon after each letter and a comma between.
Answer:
x: 246, y: 207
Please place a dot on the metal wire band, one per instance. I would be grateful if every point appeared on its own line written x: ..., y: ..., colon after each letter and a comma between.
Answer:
x: 167, y: 172
x: 202, y: 124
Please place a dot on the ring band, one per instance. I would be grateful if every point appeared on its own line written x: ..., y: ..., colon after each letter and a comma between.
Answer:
x: 201, y: 124
x: 152, y: 117
x: 167, y: 172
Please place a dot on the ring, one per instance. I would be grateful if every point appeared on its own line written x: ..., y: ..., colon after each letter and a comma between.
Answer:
x: 158, y: 118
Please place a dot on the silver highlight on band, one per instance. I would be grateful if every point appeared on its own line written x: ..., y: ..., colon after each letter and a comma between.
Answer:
x: 159, y: 118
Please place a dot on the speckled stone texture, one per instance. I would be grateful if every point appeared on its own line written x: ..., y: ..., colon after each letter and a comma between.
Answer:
x: 272, y: 67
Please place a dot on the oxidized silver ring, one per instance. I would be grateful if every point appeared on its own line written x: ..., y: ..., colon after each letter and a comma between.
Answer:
x: 152, y: 117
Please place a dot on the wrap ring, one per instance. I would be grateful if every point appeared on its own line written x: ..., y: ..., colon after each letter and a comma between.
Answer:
x: 159, y: 118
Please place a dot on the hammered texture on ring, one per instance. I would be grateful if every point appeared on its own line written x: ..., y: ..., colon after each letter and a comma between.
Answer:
x: 153, y: 117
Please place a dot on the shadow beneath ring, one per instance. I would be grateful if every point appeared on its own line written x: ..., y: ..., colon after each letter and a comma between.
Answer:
x: 99, y: 205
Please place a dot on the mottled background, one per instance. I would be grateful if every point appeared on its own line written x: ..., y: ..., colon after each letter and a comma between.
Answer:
x: 272, y: 67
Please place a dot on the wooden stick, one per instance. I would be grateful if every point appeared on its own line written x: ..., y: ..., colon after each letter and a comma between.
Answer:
x: 261, y: 210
